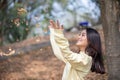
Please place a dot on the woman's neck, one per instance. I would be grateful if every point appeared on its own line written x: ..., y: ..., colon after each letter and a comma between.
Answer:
x: 82, y: 49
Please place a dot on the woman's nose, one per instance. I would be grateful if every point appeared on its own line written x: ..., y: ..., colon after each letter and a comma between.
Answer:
x: 80, y: 35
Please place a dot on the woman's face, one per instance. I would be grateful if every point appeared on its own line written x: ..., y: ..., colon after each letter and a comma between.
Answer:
x: 82, y: 41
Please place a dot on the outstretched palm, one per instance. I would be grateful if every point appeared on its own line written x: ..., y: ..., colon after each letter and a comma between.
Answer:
x: 55, y: 25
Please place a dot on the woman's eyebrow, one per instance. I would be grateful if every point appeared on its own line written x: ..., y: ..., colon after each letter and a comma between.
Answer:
x: 83, y: 32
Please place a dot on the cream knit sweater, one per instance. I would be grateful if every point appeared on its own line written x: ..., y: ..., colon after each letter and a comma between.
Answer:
x: 77, y: 65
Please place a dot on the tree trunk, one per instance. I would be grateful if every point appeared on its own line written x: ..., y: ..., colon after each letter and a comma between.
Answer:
x: 110, y: 11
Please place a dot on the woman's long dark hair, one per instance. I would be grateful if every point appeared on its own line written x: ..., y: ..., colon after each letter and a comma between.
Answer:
x: 95, y: 51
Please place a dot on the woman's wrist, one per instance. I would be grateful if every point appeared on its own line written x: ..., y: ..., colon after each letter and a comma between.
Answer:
x: 58, y: 31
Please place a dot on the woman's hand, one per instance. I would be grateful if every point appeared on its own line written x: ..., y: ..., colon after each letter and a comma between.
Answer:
x: 55, y: 25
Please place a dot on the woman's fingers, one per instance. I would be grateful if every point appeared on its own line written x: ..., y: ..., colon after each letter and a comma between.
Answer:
x: 61, y: 26
x: 55, y: 25
x: 58, y: 24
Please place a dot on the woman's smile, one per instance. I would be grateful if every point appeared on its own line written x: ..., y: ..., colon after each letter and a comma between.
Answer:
x: 82, y: 40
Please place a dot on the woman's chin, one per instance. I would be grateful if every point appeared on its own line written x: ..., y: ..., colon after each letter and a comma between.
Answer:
x: 79, y: 45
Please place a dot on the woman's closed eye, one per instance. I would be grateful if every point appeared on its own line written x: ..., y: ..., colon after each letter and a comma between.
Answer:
x: 82, y: 34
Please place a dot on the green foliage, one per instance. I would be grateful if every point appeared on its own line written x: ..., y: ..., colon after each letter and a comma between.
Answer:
x: 14, y: 25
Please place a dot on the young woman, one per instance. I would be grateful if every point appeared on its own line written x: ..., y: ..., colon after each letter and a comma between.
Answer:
x: 78, y: 65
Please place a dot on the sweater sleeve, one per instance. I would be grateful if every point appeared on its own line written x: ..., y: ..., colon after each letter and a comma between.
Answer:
x: 55, y: 48
x: 70, y: 56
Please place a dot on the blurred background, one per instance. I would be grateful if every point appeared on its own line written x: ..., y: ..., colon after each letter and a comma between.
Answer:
x: 24, y: 36
x: 22, y: 19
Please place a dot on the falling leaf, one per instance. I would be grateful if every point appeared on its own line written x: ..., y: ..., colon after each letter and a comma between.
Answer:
x: 21, y: 11
x: 37, y: 40
x: 16, y: 21
x: 7, y: 54
x: 10, y: 49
